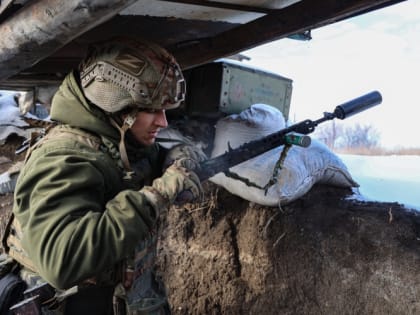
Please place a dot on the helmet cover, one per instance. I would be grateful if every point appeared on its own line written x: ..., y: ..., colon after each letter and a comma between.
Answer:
x: 126, y: 72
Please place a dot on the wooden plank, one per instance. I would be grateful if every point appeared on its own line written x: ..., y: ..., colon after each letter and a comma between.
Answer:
x: 57, y: 23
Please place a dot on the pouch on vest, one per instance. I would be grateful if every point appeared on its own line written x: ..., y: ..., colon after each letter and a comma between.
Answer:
x: 11, y: 285
x: 11, y: 292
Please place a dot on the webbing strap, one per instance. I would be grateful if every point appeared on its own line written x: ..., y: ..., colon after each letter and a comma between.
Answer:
x: 22, y: 259
x: 13, y: 246
x: 129, y: 120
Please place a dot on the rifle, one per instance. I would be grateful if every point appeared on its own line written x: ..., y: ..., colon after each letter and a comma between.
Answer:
x: 286, y: 136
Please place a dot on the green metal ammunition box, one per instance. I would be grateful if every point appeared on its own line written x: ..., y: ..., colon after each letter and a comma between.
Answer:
x: 229, y: 87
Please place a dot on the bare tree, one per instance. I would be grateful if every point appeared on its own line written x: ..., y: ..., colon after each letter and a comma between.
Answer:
x: 360, y: 136
x: 355, y: 136
x: 329, y: 133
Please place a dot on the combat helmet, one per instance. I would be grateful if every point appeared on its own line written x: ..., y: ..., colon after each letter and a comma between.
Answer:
x: 127, y: 75
x: 127, y: 72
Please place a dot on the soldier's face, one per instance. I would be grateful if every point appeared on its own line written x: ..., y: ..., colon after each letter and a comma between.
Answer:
x: 147, y: 125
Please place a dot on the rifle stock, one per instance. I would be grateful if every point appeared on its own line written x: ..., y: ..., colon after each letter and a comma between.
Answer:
x: 254, y: 148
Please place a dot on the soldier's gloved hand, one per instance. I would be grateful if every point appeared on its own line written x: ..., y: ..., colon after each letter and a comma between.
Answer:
x: 178, y: 184
x: 191, y: 154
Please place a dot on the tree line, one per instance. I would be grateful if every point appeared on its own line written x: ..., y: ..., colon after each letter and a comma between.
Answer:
x: 355, y: 137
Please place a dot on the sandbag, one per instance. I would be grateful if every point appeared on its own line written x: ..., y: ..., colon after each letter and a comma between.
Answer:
x: 251, y: 124
x: 302, y: 168
x: 8, y: 179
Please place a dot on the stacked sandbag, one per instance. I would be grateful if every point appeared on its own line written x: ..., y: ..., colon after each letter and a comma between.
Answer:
x: 301, y: 169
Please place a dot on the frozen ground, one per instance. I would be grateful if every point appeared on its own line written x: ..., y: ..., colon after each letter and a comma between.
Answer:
x: 386, y: 178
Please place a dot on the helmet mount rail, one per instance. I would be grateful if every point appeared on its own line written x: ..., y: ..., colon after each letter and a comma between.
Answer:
x: 104, y: 71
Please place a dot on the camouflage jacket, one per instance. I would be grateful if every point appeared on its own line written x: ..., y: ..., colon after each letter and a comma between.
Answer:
x: 78, y: 217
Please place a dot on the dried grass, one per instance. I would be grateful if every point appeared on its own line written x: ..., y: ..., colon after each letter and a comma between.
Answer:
x: 379, y: 151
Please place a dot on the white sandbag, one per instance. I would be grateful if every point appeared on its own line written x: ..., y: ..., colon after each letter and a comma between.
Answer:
x: 28, y: 103
x: 8, y: 179
x: 302, y: 168
x: 9, y: 111
x: 170, y: 137
x: 251, y: 124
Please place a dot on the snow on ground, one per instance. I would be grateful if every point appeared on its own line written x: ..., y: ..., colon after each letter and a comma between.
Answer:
x: 393, y: 178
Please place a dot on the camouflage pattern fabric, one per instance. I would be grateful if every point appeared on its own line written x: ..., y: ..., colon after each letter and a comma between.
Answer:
x: 177, y: 182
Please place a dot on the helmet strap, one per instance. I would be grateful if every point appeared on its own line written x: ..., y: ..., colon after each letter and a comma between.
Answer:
x: 127, y: 124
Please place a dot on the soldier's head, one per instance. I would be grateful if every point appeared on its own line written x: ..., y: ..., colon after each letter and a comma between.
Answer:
x: 133, y: 79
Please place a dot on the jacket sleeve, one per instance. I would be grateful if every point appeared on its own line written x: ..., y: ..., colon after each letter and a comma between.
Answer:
x: 75, y: 223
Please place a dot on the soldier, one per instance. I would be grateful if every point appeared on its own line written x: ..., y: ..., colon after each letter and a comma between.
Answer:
x: 91, y: 191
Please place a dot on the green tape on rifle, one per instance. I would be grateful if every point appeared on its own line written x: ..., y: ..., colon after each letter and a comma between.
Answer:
x: 302, y: 141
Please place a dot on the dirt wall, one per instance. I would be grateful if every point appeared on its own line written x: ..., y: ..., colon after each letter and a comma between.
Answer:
x: 323, y: 254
